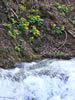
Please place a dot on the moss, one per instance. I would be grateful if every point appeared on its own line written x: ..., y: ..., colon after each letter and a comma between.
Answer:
x: 14, y: 55
x: 36, y: 57
x: 60, y: 54
x: 30, y: 55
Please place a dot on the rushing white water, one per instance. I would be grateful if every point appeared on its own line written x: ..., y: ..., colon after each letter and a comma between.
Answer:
x: 42, y: 80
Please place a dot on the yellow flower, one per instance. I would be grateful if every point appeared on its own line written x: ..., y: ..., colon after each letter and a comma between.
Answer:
x: 38, y: 33
x: 32, y: 37
x: 38, y: 16
x: 24, y: 24
x: 9, y: 25
x: 63, y: 5
x: 54, y: 25
x: 22, y: 7
x: 35, y: 17
x: 37, y: 10
x: 34, y: 33
x: 28, y: 23
x: 33, y: 10
x: 26, y: 28
x: 15, y: 30
x: 9, y: 31
x: 57, y: 4
x: 62, y: 27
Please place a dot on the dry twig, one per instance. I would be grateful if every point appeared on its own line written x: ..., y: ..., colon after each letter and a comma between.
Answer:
x: 14, y: 13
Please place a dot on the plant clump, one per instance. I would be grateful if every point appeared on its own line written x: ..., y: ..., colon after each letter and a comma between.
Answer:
x: 35, y: 31
x: 21, y: 7
x: 58, y: 30
x: 23, y: 24
x: 63, y: 9
x: 35, y: 19
x: 72, y: 21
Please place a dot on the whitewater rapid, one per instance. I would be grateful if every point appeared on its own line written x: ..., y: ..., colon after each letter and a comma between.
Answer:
x: 42, y: 80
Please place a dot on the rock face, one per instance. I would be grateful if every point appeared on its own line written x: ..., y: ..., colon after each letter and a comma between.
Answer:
x: 44, y: 46
x: 8, y: 55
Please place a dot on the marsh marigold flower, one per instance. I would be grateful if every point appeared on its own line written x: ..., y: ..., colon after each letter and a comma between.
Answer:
x: 57, y: 4
x: 62, y: 27
x: 54, y: 25
x: 24, y: 24
x: 26, y: 28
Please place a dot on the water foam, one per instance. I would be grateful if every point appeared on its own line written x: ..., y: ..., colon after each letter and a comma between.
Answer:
x: 56, y: 81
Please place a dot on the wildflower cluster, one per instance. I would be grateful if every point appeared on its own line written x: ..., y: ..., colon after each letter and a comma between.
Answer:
x: 34, y: 10
x: 72, y: 21
x: 58, y: 30
x: 17, y: 48
x: 9, y: 26
x: 63, y: 8
x: 21, y: 7
x: 23, y: 24
x: 9, y: 33
x: 35, y: 31
x: 17, y: 26
x: 35, y: 19
x: 13, y: 33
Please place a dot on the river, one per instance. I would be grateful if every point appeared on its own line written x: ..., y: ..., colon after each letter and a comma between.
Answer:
x: 48, y: 79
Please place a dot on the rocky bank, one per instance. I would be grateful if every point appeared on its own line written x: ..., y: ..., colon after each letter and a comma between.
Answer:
x: 48, y: 45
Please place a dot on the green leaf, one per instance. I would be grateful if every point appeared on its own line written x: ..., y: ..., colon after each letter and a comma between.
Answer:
x: 58, y: 30
x: 62, y: 14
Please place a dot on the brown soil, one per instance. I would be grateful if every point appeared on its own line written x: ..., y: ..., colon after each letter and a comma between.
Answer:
x: 47, y: 45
